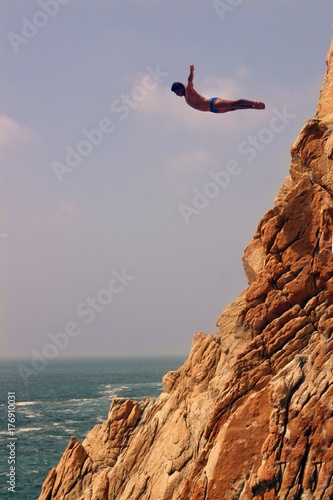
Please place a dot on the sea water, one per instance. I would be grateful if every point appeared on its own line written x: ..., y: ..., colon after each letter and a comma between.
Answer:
x: 40, y: 414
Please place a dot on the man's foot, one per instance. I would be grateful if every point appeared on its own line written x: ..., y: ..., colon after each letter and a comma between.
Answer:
x: 258, y: 105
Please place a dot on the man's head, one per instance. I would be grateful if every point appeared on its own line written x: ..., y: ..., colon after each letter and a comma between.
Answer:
x: 178, y: 88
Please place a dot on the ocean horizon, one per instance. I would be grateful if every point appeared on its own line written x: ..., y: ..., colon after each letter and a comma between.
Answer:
x: 42, y: 409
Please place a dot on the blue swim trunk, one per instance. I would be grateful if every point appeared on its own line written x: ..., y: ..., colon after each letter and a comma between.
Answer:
x: 211, y: 105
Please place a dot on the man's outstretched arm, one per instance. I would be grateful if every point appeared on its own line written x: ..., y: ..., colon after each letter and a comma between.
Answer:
x: 191, y: 76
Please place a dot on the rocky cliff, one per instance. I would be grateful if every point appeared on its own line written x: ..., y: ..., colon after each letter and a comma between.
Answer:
x: 250, y: 413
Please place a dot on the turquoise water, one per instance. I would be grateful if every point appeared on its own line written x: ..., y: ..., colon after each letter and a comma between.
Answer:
x: 67, y: 398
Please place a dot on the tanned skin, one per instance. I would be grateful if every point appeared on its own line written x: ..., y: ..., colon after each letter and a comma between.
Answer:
x: 197, y: 101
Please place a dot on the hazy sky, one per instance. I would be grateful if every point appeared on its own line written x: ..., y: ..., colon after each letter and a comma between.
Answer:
x: 124, y: 212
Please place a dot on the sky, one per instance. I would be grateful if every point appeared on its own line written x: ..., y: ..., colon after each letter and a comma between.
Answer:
x: 124, y: 212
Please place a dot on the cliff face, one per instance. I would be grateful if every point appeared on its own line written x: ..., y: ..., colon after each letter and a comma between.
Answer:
x: 250, y: 413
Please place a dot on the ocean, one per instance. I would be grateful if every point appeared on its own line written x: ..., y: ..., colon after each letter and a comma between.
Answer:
x: 66, y: 398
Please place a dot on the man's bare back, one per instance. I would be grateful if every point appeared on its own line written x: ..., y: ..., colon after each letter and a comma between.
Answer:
x: 214, y: 104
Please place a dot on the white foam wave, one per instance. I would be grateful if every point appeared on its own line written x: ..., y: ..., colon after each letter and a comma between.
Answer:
x: 28, y: 429
x: 27, y: 403
x: 81, y: 401
x: 115, y: 388
x: 32, y: 414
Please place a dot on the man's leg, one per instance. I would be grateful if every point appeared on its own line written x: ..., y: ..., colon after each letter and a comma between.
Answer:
x: 244, y: 104
x: 223, y: 105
